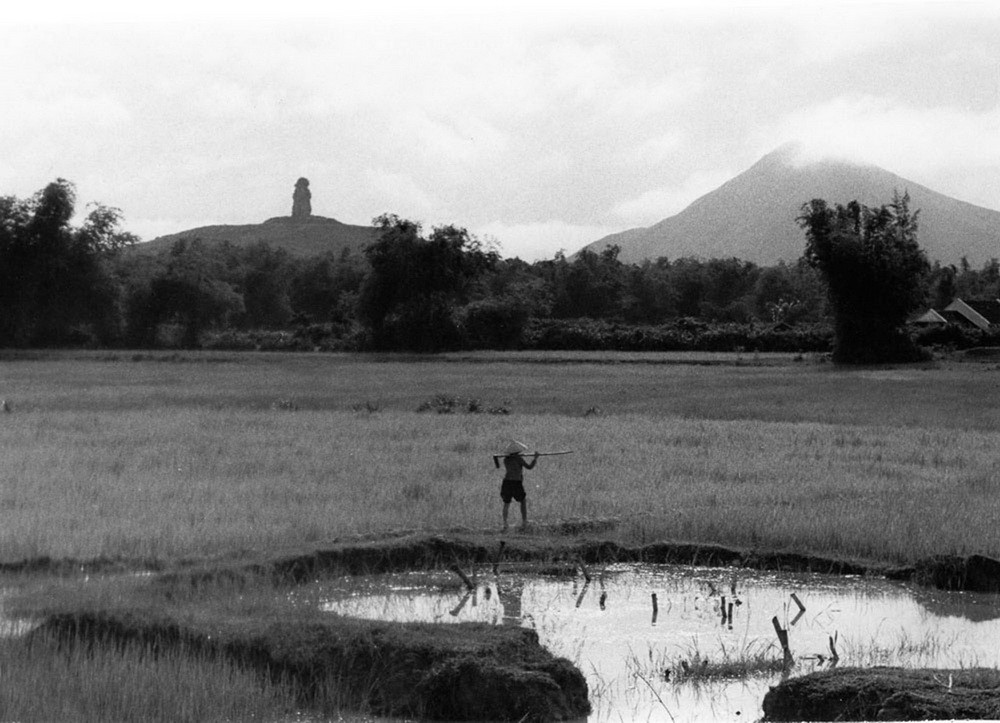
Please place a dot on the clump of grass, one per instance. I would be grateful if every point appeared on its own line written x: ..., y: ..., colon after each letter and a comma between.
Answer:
x: 441, y: 404
x: 905, y: 651
x: 40, y: 680
x: 448, y: 404
x: 756, y: 658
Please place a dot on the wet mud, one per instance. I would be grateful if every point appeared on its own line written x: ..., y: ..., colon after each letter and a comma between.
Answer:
x: 875, y: 694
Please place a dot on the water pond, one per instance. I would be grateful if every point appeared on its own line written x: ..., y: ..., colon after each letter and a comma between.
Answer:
x: 706, y: 647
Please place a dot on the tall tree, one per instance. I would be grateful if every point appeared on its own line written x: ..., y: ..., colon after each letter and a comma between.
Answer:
x: 874, y: 270
x: 55, y: 280
x: 415, y: 284
x: 193, y: 289
x: 266, y: 287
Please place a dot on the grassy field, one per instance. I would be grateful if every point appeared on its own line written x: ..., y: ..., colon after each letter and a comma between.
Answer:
x: 170, y: 456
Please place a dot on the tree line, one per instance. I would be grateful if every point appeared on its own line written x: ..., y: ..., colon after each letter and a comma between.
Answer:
x: 445, y: 289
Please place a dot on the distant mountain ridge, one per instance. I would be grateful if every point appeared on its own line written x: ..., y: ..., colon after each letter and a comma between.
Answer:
x: 752, y: 216
x: 301, y: 237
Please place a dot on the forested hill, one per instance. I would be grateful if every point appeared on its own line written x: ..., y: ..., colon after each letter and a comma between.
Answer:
x: 752, y: 216
x: 313, y: 236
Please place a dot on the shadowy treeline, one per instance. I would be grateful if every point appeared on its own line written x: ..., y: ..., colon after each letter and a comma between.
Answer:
x: 66, y: 286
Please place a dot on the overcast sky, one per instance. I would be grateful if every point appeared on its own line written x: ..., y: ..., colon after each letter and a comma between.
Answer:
x: 543, y: 129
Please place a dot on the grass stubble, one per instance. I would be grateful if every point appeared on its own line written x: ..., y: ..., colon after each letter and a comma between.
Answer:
x: 166, y: 461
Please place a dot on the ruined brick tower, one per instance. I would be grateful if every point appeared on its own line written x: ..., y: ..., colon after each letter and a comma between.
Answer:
x: 301, y: 205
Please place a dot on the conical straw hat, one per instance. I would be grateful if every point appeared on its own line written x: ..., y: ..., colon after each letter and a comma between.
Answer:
x: 516, y: 447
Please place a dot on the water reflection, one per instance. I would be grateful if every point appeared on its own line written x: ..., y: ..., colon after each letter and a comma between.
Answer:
x: 695, y: 644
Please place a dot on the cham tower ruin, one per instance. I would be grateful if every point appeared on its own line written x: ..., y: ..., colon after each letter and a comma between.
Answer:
x: 301, y: 205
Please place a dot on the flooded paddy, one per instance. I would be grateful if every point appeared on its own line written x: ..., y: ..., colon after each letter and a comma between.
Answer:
x: 680, y: 643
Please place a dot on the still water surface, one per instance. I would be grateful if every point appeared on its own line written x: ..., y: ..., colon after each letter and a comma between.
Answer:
x: 645, y: 667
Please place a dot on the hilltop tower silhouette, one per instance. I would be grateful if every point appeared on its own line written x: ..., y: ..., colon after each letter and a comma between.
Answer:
x: 301, y: 204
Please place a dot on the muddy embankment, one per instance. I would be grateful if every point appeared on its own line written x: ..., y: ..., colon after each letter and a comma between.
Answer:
x: 564, y: 546
x: 444, y: 672
x: 875, y: 694
x: 481, y: 672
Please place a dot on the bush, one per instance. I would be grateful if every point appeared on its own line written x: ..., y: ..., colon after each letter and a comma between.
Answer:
x: 682, y: 335
x: 494, y: 323
x: 951, y: 336
x: 315, y: 337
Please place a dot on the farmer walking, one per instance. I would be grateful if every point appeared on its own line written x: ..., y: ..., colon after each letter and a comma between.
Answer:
x: 512, y: 487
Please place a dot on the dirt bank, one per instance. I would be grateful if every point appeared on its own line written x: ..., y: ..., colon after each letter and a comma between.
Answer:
x: 564, y: 543
x: 870, y: 694
x: 443, y: 672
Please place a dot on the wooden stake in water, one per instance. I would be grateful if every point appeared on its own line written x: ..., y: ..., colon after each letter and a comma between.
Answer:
x: 783, y: 639
x: 461, y: 604
x: 465, y: 578
x: 802, y: 608
x: 496, y: 560
x: 655, y: 608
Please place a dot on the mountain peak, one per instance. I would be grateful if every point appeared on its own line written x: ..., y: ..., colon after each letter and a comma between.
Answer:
x: 787, y: 154
x: 752, y: 216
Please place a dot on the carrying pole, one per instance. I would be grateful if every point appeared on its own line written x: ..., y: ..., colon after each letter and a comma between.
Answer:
x: 498, y: 457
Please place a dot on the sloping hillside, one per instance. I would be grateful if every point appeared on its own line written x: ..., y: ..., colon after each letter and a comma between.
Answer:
x: 752, y: 216
x: 312, y: 236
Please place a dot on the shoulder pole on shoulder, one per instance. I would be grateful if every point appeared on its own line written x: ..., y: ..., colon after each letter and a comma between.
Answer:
x: 498, y: 457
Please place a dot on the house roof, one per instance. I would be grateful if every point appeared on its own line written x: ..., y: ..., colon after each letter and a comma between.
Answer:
x: 988, y: 308
x: 967, y: 312
x: 929, y: 317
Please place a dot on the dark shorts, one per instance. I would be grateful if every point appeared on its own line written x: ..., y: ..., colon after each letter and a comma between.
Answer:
x: 512, y: 490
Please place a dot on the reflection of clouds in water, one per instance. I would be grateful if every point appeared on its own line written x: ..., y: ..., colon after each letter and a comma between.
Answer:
x: 606, y: 628
x: 482, y: 605
x: 14, y: 627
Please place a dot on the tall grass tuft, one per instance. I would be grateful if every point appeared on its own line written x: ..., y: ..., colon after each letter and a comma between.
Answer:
x: 41, y: 681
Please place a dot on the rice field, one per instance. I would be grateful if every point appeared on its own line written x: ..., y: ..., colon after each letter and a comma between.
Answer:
x: 163, y: 457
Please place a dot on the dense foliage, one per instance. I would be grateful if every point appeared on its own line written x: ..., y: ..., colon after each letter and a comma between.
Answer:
x: 414, y: 284
x: 63, y: 285
x: 874, y: 271
x: 54, y: 277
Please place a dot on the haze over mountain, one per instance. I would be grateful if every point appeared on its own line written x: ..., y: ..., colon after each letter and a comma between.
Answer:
x: 752, y: 216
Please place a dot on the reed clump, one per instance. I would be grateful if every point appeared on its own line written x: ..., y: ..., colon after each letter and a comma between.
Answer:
x: 41, y: 679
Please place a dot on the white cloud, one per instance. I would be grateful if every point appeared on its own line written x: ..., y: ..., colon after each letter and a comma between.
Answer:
x: 913, y: 142
x: 660, y: 203
x: 398, y: 193
x: 659, y: 148
x: 651, y: 97
x: 542, y: 239
x: 460, y: 138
